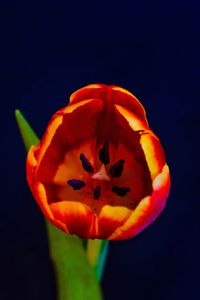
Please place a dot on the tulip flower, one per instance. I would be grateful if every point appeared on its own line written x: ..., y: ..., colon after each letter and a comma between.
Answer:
x: 99, y: 171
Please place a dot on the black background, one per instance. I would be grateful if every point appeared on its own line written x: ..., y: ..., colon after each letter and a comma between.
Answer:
x: 152, y: 49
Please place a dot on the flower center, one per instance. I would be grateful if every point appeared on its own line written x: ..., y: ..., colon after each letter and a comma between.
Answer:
x: 100, y: 182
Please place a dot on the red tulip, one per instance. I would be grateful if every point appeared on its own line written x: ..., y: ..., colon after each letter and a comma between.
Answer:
x: 99, y: 170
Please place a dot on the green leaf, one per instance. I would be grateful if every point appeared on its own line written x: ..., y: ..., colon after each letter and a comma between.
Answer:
x: 75, y: 278
x: 29, y: 137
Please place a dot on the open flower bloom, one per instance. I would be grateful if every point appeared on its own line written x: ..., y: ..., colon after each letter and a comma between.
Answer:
x: 99, y: 171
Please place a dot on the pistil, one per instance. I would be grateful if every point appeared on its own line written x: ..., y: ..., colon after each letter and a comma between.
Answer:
x: 101, y: 174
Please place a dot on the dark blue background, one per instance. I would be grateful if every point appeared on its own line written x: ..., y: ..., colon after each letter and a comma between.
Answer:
x: 148, y: 47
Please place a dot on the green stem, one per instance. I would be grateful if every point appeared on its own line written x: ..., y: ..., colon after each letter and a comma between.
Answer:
x: 73, y: 273
x: 97, y: 251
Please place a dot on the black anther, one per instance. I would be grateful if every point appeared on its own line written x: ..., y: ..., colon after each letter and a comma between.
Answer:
x: 76, y: 184
x: 117, y: 169
x: 97, y: 192
x: 86, y: 164
x: 104, y: 153
x: 120, y: 191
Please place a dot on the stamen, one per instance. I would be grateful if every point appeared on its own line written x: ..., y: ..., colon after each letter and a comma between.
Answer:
x: 117, y: 169
x: 104, y: 153
x: 97, y: 192
x: 86, y: 164
x: 120, y: 191
x: 76, y: 184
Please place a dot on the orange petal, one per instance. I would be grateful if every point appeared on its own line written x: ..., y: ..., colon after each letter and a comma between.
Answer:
x: 113, y: 94
x: 78, y: 217
x: 31, y: 164
x: 110, y: 218
x: 133, y: 120
x: 153, y: 151
x: 66, y: 136
x: 107, y: 120
x: 38, y: 189
x: 148, y: 209
x: 126, y: 99
x: 88, y: 92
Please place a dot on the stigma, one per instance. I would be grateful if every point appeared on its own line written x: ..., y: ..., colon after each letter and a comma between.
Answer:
x: 101, y: 174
